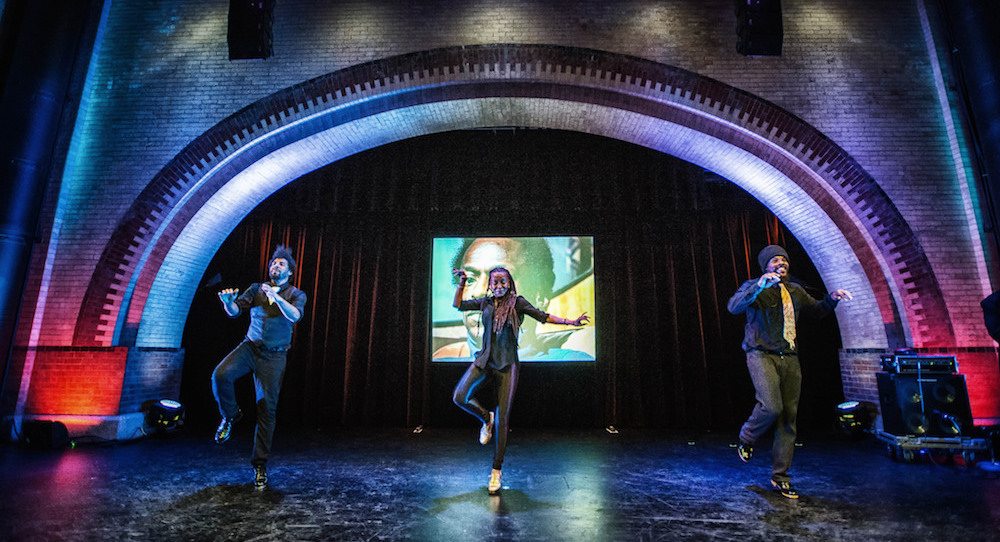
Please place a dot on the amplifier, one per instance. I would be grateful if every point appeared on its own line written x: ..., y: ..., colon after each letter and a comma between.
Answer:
x: 911, y: 364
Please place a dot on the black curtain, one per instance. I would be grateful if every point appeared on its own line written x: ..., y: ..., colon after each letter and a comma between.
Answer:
x: 672, y: 243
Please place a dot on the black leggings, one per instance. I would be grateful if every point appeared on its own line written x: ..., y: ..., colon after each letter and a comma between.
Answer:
x: 505, y: 383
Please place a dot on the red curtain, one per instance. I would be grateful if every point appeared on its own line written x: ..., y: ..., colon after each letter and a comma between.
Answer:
x: 672, y: 243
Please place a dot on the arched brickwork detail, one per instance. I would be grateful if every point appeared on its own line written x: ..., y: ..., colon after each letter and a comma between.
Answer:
x: 494, y: 81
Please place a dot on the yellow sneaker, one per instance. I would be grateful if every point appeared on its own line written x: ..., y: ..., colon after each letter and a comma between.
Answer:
x: 259, y: 477
x: 494, y: 485
x: 786, y: 489
x: 486, y: 432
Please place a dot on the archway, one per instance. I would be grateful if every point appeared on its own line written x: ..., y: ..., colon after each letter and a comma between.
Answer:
x: 851, y: 230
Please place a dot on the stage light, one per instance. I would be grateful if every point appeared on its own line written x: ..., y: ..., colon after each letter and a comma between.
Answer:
x: 853, y: 417
x: 163, y: 414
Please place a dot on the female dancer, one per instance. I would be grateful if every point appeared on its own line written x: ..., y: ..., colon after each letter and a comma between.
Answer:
x: 502, y: 315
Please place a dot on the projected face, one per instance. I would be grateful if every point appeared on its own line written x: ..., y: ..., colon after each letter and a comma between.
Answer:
x: 483, y: 255
x: 552, y: 273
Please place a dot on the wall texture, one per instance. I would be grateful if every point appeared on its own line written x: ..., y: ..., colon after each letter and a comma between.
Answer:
x: 850, y: 137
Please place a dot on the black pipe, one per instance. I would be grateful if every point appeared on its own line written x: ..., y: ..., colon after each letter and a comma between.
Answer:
x: 43, y: 46
x: 975, y: 48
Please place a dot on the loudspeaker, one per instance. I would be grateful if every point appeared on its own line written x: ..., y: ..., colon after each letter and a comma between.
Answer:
x: 934, y: 405
x: 44, y: 434
x: 250, y: 34
x: 759, y: 31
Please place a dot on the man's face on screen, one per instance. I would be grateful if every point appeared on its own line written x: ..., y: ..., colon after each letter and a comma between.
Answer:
x: 483, y: 255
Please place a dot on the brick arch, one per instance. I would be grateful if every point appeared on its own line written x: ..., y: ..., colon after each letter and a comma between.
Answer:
x: 852, y: 231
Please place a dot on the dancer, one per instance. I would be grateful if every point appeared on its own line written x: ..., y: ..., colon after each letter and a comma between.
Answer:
x: 274, y: 307
x: 773, y: 305
x: 502, y: 312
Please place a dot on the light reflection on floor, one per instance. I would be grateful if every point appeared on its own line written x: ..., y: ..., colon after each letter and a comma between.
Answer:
x: 558, y: 485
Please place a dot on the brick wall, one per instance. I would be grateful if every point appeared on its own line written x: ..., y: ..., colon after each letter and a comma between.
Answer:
x: 858, y: 70
x: 151, y: 373
x: 857, y: 371
x: 79, y: 381
x: 979, y: 365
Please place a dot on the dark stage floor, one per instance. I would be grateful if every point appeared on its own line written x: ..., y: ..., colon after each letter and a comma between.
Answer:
x: 559, y: 485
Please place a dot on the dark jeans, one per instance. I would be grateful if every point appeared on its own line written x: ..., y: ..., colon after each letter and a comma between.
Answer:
x: 505, y: 383
x: 777, y: 380
x: 268, y: 369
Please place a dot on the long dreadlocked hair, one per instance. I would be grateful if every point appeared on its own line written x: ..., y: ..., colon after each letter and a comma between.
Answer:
x: 505, y: 311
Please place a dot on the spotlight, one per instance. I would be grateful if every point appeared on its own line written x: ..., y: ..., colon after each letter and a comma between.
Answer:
x: 163, y: 414
x: 853, y: 418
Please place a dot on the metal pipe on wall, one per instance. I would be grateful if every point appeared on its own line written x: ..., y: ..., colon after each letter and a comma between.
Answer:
x: 42, y: 44
x: 975, y: 48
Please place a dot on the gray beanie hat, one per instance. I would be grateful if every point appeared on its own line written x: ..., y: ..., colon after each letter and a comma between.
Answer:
x: 769, y: 252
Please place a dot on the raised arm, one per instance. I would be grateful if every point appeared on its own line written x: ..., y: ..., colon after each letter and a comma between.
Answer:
x: 460, y: 290
x: 289, y: 311
x: 837, y: 295
x: 749, y: 290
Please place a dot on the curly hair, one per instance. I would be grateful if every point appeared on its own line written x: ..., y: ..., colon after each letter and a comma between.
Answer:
x: 285, y: 253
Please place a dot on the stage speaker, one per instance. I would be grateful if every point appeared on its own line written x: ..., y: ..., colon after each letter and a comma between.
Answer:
x: 44, y: 434
x: 935, y: 405
x: 758, y: 27
x: 250, y: 34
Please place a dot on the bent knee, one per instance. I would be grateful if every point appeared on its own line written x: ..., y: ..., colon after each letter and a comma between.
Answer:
x: 770, y: 413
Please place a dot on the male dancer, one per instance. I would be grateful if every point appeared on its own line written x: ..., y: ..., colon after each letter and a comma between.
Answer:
x: 773, y: 304
x: 274, y: 306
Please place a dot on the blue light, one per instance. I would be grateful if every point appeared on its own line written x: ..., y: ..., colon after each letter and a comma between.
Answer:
x: 849, y: 405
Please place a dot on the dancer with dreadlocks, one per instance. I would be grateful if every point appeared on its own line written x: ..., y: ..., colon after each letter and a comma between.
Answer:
x: 274, y: 308
x: 502, y: 311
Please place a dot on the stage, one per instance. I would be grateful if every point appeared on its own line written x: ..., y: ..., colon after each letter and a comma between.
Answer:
x: 588, y: 484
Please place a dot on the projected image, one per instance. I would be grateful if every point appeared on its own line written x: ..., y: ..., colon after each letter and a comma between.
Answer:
x: 555, y: 274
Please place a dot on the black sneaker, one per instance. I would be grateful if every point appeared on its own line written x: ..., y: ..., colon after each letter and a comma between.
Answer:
x: 745, y: 451
x: 225, y: 429
x: 786, y: 489
x: 259, y: 477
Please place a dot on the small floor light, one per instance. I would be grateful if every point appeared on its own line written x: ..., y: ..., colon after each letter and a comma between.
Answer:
x: 163, y: 414
x: 853, y: 418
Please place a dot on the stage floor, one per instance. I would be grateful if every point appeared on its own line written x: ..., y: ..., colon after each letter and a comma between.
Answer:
x: 558, y: 485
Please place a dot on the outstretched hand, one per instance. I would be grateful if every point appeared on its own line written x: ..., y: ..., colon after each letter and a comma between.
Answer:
x: 228, y: 295
x: 583, y: 319
x: 837, y: 295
